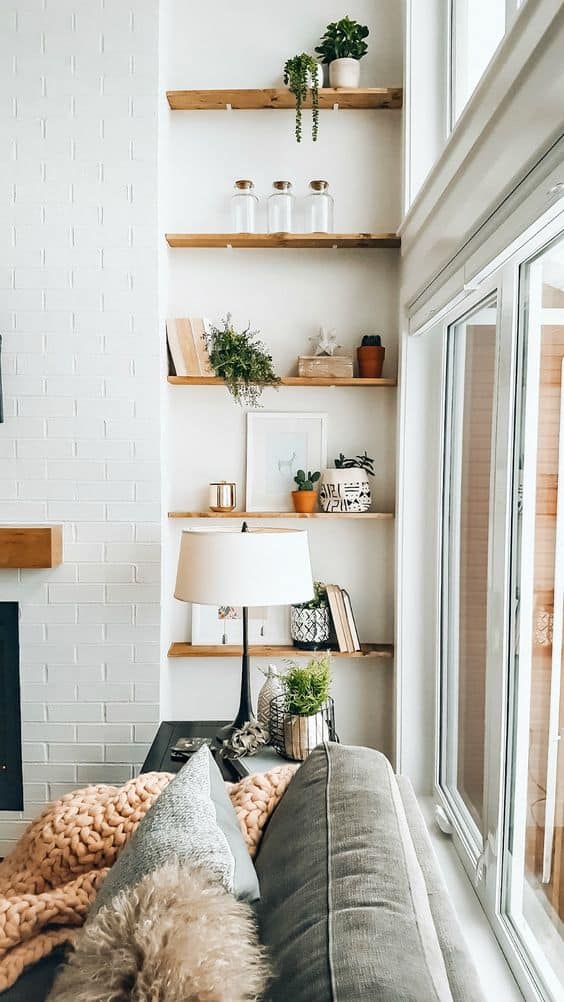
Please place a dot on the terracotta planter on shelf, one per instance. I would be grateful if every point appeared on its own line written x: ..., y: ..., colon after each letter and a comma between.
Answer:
x: 304, y: 501
x: 370, y: 361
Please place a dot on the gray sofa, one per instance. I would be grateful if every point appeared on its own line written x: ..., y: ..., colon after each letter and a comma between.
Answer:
x: 352, y: 908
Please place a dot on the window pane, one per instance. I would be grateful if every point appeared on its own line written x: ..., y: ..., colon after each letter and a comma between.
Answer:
x: 536, y: 874
x: 478, y: 27
x: 472, y: 361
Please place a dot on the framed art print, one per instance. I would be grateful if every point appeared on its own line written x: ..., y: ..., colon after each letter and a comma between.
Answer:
x: 278, y: 445
x: 223, y: 625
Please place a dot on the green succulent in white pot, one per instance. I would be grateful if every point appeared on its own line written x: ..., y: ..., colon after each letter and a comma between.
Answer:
x: 343, y: 46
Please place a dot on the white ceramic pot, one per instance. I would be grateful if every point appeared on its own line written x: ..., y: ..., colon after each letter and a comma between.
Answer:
x: 345, y: 491
x: 344, y: 73
x: 303, y: 734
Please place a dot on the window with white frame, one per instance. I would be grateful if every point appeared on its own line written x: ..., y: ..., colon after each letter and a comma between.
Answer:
x: 477, y: 28
x: 500, y: 769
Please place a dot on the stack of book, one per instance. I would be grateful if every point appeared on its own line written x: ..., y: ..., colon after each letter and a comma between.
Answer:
x: 343, y: 619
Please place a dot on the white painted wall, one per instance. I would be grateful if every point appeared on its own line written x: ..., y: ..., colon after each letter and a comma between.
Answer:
x: 80, y: 443
x: 286, y: 294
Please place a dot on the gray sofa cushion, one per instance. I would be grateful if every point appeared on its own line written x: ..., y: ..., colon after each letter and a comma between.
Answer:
x: 462, y: 975
x: 344, y: 910
x: 194, y: 821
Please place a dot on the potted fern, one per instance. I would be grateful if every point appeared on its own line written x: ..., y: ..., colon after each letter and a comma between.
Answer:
x: 239, y: 358
x: 302, y: 73
x: 342, y: 47
x: 306, y: 691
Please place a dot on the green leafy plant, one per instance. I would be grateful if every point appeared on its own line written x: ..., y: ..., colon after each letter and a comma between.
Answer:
x: 319, y: 600
x: 371, y: 341
x: 359, y: 462
x: 300, y: 75
x: 343, y: 39
x: 241, y: 360
x: 305, y: 483
x: 307, y: 686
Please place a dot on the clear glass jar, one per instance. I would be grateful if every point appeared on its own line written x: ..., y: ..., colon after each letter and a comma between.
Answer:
x: 319, y: 208
x: 244, y: 205
x: 281, y: 208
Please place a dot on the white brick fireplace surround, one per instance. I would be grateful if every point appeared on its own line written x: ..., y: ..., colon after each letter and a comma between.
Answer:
x: 80, y: 443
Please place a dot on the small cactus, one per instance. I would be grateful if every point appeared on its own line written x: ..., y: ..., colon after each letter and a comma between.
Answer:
x: 305, y: 483
x: 371, y: 341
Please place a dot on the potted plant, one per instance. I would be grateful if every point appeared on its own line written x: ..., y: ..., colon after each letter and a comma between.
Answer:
x: 241, y: 360
x: 310, y: 622
x: 343, y: 46
x: 370, y: 356
x: 307, y: 693
x: 303, y: 73
x: 305, y: 496
x: 347, y: 488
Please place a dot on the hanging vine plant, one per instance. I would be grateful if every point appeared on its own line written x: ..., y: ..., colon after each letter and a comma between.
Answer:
x: 239, y: 358
x: 300, y: 76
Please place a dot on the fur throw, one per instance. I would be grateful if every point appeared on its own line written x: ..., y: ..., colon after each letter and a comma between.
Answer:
x: 49, y: 881
x: 177, y: 936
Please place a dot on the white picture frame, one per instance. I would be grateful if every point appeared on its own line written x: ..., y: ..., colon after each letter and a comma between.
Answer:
x: 280, y: 443
x: 268, y: 625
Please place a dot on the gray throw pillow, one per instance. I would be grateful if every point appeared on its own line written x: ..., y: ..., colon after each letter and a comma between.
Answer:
x: 344, y: 911
x: 194, y: 822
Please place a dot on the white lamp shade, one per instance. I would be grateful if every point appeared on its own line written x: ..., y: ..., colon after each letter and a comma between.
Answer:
x: 260, y: 567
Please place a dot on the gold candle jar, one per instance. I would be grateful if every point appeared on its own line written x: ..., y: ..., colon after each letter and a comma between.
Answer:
x: 223, y: 496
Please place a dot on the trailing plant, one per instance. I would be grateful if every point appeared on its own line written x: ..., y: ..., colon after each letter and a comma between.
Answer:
x: 300, y: 75
x: 307, y: 686
x: 305, y: 483
x: 371, y: 341
x: 359, y: 462
x: 239, y: 358
x: 343, y: 39
x: 319, y: 600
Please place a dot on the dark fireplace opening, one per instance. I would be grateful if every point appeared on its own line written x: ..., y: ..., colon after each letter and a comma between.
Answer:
x: 11, y: 784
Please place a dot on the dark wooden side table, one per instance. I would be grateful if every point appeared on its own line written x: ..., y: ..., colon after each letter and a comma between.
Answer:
x: 159, y: 760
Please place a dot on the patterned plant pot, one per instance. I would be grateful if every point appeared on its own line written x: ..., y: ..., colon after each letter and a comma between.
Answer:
x: 310, y: 628
x: 345, y: 491
x: 303, y: 734
x: 272, y: 687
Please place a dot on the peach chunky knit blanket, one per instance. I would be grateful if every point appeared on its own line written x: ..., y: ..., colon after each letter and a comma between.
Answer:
x: 49, y: 881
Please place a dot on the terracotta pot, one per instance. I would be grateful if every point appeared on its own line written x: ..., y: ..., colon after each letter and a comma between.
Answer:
x: 304, y: 501
x: 370, y: 361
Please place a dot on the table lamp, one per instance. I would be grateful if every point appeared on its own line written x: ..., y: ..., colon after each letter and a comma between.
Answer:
x: 254, y: 567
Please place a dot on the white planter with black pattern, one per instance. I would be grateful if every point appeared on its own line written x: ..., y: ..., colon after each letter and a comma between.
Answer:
x: 343, y: 491
x: 310, y: 628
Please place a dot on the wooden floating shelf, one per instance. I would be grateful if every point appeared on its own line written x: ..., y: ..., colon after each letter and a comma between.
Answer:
x: 31, y: 546
x: 321, y: 241
x: 219, y: 651
x: 286, y: 381
x: 380, y: 515
x: 361, y: 98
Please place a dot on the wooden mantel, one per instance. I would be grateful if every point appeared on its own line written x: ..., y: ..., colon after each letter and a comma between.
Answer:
x: 31, y: 546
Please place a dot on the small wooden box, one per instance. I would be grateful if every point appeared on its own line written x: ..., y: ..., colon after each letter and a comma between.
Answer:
x: 31, y: 545
x: 326, y: 366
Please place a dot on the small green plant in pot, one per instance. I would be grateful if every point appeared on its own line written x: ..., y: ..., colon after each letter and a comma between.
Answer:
x: 310, y: 622
x: 241, y: 360
x: 343, y: 46
x: 302, y: 74
x: 305, y: 496
x: 370, y: 356
x: 306, y: 697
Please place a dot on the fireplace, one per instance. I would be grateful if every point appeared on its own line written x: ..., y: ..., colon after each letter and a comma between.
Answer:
x: 11, y: 790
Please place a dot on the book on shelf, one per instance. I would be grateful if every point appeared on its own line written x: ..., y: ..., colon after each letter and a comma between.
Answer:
x: 344, y: 622
x: 186, y: 338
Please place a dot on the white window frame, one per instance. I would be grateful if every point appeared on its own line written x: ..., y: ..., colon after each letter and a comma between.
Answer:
x: 489, y: 869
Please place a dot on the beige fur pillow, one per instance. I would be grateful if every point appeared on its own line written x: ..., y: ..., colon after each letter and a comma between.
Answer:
x: 177, y: 936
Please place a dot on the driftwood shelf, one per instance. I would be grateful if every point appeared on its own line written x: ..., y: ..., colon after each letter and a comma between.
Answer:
x: 286, y: 381
x: 289, y: 241
x: 360, y: 516
x: 31, y: 546
x: 362, y: 98
x: 219, y: 651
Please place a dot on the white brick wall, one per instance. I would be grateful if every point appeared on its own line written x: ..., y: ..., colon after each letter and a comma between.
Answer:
x: 80, y: 443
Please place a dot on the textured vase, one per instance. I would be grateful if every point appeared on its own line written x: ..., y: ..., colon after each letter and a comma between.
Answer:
x: 303, y: 734
x: 310, y: 628
x: 271, y: 687
x: 343, y: 491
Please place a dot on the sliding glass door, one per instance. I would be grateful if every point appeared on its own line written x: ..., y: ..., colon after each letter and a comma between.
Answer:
x: 533, y: 890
